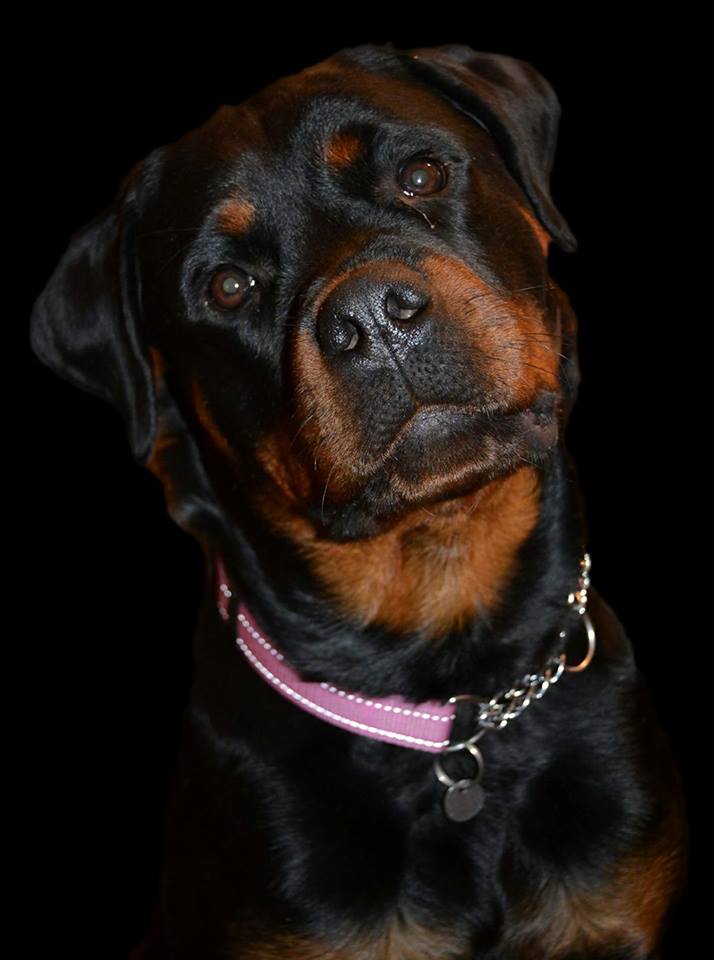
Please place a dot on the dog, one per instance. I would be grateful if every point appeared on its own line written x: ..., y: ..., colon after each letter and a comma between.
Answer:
x: 416, y: 729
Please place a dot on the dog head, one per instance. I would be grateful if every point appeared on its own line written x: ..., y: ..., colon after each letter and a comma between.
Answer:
x: 330, y: 303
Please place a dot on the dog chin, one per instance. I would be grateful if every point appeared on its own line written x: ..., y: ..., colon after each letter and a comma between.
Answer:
x: 391, y: 495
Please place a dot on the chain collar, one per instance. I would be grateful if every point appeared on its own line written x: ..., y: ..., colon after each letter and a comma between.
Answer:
x: 464, y: 798
x: 424, y: 726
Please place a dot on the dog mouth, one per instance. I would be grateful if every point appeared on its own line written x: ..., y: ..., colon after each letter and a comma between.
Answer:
x: 445, y: 435
x: 441, y: 452
x: 432, y: 426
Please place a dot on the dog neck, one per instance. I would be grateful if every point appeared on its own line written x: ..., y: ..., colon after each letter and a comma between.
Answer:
x: 434, y: 571
x: 330, y: 608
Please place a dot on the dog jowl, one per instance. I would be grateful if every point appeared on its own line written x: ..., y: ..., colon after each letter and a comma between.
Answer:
x: 327, y: 320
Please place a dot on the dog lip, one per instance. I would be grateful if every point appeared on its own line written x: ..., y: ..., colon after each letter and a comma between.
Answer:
x: 431, y: 412
x: 432, y: 423
x: 430, y: 418
x: 539, y: 419
x: 545, y: 403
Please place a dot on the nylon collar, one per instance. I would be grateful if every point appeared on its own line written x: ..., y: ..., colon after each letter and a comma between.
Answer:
x: 421, y: 726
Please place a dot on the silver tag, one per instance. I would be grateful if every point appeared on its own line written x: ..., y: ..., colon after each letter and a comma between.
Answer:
x: 463, y: 800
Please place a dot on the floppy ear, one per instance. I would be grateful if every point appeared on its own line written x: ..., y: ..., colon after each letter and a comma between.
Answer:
x: 86, y: 325
x: 515, y: 103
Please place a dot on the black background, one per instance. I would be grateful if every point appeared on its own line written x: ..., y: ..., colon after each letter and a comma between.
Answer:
x: 115, y: 585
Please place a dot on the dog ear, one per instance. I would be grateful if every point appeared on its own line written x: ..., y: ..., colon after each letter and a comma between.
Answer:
x: 86, y: 324
x: 515, y: 103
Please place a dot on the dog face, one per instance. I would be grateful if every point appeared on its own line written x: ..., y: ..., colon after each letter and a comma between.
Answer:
x: 331, y: 302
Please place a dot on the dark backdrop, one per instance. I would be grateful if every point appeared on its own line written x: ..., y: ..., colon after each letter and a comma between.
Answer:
x: 115, y: 585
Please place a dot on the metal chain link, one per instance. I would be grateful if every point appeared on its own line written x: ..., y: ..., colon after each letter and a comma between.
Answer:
x: 511, y: 703
x: 495, y: 713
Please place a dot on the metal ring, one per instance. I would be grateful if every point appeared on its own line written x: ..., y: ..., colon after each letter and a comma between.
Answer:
x: 444, y: 778
x: 466, y: 696
x: 464, y: 744
x: 591, y: 646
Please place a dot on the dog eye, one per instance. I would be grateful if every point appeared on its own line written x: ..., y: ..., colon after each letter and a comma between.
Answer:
x: 231, y: 287
x: 421, y: 177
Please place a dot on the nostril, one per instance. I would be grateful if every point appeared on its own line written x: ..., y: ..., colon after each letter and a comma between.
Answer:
x: 398, y: 312
x: 363, y: 315
x: 343, y: 335
x: 354, y: 339
x: 403, y: 304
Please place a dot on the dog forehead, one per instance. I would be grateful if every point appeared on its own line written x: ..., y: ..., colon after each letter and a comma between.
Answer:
x: 303, y: 113
x: 363, y: 78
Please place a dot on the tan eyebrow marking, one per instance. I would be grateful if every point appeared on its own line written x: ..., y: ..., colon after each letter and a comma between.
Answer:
x: 236, y: 215
x: 343, y: 149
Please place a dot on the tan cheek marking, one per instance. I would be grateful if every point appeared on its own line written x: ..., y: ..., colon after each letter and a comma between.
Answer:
x: 331, y: 433
x: 506, y: 331
x: 322, y: 430
x: 235, y: 216
x: 343, y: 149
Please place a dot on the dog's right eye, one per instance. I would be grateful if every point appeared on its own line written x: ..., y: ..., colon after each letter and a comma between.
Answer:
x: 422, y: 176
x: 230, y: 288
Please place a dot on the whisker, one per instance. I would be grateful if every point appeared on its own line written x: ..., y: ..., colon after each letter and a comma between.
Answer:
x: 536, y: 286
x: 536, y: 339
x: 317, y: 447
x: 309, y: 417
x: 480, y: 296
x: 322, y: 504
x: 536, y: 367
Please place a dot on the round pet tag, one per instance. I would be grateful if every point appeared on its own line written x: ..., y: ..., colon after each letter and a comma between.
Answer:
x: 463, y: 800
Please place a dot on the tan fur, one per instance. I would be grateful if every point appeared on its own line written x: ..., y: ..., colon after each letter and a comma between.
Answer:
x: 343, y: 149
x: 401, y: 938
x: 235, y: 216
x: 506, y: 331
x: 435, y: 569
x: 204, y: 414
x: 541, y: 233
x: 625, y: 912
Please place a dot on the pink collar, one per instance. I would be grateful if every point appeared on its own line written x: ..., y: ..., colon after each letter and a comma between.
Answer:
x: 421, y: 726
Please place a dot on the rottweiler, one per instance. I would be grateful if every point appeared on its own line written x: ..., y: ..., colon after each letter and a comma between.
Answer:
x: 416, y: 731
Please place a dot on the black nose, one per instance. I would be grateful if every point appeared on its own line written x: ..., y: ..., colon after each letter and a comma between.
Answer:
x: 359, y: 312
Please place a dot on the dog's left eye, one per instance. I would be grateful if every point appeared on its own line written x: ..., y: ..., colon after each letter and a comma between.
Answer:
x: 422, y: 176
x: 231, y: 287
